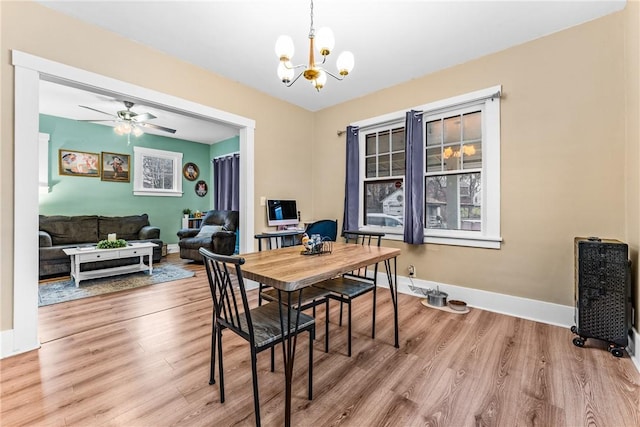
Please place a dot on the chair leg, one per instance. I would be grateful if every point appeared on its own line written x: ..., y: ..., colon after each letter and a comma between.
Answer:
x: 311, y: 338
x: 220, y: 368
x: 273, y: 360
x: 212, y: 368
x: 256, y: 399
x: 373, y: 324
x: 260, y: 294
x: 349, y: 329
x: 340, y: 323
x: 326, y: 326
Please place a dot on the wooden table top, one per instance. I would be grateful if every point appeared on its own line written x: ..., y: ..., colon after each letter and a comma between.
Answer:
x: 287, y: 269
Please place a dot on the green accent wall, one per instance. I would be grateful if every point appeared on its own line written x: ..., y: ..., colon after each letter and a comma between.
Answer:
x: 74, y: 195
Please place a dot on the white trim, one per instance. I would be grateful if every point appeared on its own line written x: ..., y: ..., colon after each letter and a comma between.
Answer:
x: 43, y: 162
x: 176, y: 159
x: 28, y: 70
x: 632, y: 349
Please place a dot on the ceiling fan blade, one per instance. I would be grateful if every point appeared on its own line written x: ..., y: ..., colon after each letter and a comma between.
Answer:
x: 142, y: 117
x: 149, y: 125
x: 93, y: 109
x: 89, y: 120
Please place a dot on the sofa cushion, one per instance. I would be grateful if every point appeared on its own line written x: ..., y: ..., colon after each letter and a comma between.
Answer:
x: 66, y: 230
x: 209, y: 230
x: 125, y: 227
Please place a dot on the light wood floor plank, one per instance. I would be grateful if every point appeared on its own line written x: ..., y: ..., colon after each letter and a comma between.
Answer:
x: 141, y: 358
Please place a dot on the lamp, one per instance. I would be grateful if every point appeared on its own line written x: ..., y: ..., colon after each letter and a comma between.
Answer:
x: 128, y: 128
x: 313, y: 71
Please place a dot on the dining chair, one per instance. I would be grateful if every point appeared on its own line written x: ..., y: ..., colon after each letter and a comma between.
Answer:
x: 262, y: 326
x: 352, y: 285
x: 326, y: 228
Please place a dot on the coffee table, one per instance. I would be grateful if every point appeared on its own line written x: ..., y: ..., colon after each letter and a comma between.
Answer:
x: 84, y: 254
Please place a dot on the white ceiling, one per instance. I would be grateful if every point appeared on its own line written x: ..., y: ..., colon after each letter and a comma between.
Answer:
x: 392, y: 41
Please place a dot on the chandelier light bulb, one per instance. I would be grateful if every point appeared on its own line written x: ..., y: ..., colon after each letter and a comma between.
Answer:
x: 285, y: 71
x: 325, y: 41
x: 345, y: 63
x: 284, y: 48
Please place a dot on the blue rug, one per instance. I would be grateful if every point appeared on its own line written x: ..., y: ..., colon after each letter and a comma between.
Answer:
x: 66, y: 290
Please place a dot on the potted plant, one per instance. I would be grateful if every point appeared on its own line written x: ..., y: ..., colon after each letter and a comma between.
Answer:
x: 186, y: 212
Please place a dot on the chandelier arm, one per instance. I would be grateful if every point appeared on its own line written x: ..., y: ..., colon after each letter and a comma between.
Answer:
x: 294, y: 80
x: 333, y: 75
x: 294, y: 66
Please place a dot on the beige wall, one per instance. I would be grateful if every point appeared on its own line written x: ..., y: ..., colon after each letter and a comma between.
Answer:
x: 566, y: 123
x: 632, y: 82
x: 280, y: 127
x: 563, y: 145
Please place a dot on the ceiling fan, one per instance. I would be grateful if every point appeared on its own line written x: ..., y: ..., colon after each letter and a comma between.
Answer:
x: 129, y: 121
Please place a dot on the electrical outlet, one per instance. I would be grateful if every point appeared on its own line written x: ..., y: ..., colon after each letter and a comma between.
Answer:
x: 412, y: 271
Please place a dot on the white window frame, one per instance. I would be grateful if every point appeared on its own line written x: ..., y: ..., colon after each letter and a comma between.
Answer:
x: 490, y: 236
x: 176, y: 159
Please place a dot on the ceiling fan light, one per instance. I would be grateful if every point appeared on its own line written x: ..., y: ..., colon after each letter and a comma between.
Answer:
x: 345, y: 63
x: 284, y: 48
x: 118, y: 130
x: 325, y: 41
x: 285, y: 71
x: 137, y: 131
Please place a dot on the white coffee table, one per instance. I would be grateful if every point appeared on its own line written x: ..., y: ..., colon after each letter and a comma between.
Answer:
x: 81, y: 255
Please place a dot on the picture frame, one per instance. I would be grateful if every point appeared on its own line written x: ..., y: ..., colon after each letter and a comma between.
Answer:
x: 78, y: 163
x: 191, y: 171
x: 201, y: 188
x: 115, y: 167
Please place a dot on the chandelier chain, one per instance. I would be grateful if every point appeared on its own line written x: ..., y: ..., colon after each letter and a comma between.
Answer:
x: 311, y: 30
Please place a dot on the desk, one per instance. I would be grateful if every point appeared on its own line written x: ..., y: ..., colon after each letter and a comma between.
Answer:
x: 287, y: 270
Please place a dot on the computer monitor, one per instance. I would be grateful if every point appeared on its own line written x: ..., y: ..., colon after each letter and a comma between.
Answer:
x: 282, y: 212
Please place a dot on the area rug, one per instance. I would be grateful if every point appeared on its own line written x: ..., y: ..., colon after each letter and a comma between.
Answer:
x: 66, y: 290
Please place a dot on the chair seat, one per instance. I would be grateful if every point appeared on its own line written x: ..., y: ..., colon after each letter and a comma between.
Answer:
x: 266, y: 323
x: 346, y: 286
x: 309, y: 294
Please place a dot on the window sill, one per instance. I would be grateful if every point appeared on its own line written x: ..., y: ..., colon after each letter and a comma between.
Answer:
x: 158, y: 193
x: 485, y: 242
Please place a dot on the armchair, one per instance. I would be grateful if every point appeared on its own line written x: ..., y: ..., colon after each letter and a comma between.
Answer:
x: 217, y: 234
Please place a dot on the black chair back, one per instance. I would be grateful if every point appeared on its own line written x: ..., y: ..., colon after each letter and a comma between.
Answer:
x: 268, y: 241
x: 326, y: 228
x: 230, y: 310
x: 364, y: 238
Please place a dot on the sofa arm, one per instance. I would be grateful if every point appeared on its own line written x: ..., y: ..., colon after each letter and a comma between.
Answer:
x: 149, y: 232
x: 44, y: 239
x: 224, y: 242
x: 188, y: 232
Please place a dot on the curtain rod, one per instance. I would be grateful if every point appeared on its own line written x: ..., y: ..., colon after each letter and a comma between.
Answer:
x: 498, y: 94
x: 226, y: 155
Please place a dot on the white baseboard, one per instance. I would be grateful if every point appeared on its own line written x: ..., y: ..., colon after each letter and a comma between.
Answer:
x: 173, y: 248
x: 8, y: 344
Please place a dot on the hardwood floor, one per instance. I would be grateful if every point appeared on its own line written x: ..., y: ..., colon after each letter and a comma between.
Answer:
x: 141, y: 358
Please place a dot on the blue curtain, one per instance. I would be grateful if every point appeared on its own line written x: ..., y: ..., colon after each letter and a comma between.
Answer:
x: 414, y: 180
x: 352, y: 180
x: 226, y: 182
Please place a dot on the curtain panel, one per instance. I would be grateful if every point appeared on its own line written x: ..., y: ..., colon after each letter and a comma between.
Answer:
x: 226, y: 182
x: 414, y: 180
x: 352, y: 180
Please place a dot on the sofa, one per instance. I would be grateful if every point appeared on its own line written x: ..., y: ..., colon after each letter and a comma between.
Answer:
x: 58, y: 232
x: 217, y: 233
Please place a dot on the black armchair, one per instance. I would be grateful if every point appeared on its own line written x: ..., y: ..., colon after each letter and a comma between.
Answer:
x: 217, y: 234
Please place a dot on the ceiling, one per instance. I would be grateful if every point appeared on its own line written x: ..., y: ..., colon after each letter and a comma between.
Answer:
x: 392, y: 41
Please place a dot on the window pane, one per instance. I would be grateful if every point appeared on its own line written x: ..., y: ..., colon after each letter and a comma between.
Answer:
x: 384, y: 141
x: 157, y: 173
x: 454, y: 202
x: 452, y: 129
x: 371, y: 144
x: 472, y: 126
x: 384, y: 204
x: 397, y: 139
x: 384, y: 165
x: 434, y: 159
x: 434, y: 133
x: 398, y: 164
x: 371, y: 167
x: 451, y: 156
x: 472, y: 156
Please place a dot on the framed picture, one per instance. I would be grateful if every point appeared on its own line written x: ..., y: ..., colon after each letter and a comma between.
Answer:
x: 190, y: 171
x: 78, y: 163
x: 115, y: 167
x: 201, y: 188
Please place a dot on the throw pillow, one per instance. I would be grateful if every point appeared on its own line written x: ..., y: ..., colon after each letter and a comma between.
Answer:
x: 209, y: 230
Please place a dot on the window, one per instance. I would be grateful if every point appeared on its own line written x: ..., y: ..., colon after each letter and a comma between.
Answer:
x: 461, y: 170
x: 157, y: 172
x: 384, y: 176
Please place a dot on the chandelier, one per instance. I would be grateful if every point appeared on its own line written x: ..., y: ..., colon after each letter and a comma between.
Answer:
x: 313, y: 71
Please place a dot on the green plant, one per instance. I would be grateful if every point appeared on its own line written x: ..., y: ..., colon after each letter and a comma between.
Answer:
x: 186, y: 211
x: 111, y: 244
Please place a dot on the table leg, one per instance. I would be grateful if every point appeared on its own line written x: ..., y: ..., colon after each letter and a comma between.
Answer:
x: 393, y: 287
x: 75, y: 268
x: 288, y: 349
x: 150, y: 261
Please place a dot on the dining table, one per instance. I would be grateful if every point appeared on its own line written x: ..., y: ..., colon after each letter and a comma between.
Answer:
x: 291, y: 269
